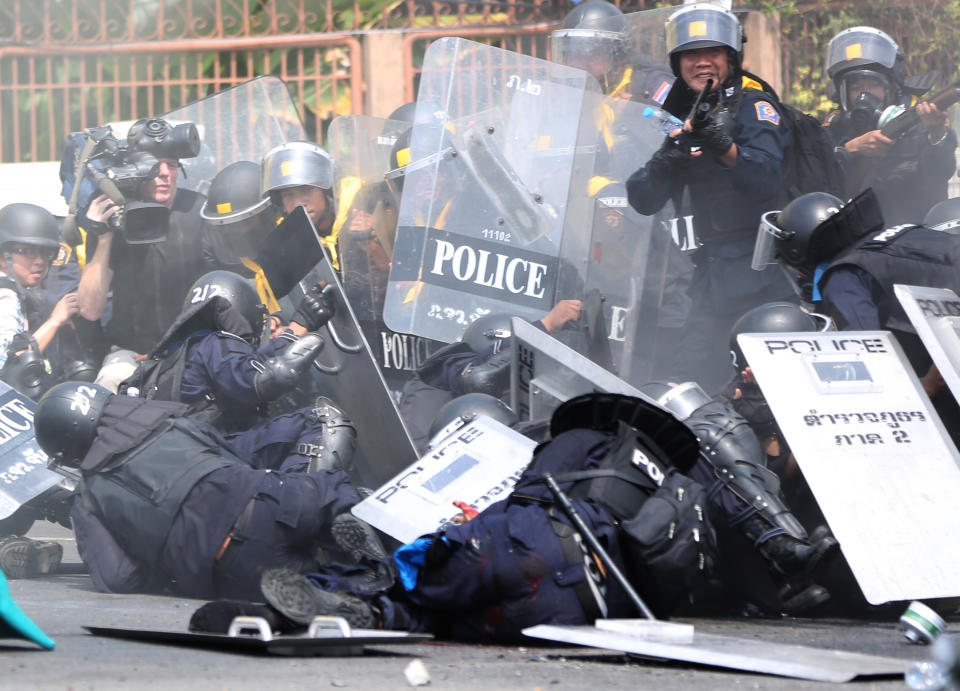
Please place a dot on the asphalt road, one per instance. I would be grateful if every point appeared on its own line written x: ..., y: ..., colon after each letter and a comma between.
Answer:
x: 63, y: 603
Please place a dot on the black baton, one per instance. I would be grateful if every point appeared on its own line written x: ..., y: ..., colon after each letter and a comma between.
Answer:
x: 586, y: 534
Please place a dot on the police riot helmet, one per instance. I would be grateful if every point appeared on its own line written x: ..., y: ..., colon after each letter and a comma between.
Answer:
x: 464, y: 409
x: 294, y: 164
x: 944, y: 216
x: 680, y: 399
x: 66, y: 418
x: 863, y: 52
x: 773, y: 317
x: 592, y: 37
x: 811, y: 229
x: 704, y: 25
x: 234, y: 195
x: 605, y: 412
x: 488, y: 330
x: 233, y: 288
x: 404, y: 113
x: 28, y: 224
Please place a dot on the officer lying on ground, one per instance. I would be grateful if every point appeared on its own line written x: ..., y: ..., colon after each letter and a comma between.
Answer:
x: 519, y: 563
x: 165, y: 502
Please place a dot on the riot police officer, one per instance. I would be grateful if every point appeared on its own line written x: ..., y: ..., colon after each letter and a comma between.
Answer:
x: 594, y: 38
x: 237, y: 218
x: 212, y: 359
x: 869, y: 81
x: 732, y: 177
x: 302, y: 174
x: 29, y: 241
x: 166, y: 502
x: 841, y: 256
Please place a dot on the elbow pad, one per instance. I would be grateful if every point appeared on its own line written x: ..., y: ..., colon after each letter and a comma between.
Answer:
x: 283, y: 372
x: 492, y: 376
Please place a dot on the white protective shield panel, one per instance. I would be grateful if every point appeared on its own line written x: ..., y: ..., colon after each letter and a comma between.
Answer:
x: 751, y: 655
x: 935, y: 314
x: 23, y: 466
x: 478, y: 464
x: 874, y: 452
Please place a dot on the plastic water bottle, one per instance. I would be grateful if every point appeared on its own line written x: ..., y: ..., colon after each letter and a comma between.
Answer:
x: 665, y: 122
x: 926, y: 676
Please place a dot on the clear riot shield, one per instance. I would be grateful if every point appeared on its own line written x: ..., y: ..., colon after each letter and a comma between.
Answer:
x: 486, y: 197
x: 241, y: 123
x: 624, y: 260
x: 367, y: 224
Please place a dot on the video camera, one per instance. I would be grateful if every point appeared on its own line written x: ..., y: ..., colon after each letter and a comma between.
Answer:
x: 96, y: 162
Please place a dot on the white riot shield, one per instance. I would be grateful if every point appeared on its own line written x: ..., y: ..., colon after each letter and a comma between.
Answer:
x: 477, y: 465
x: 935, y: 314
x: 241, y: 123
x: 366, y: 224
x: 486, y: 189
x: 874, y: 452
x: 23, y: 466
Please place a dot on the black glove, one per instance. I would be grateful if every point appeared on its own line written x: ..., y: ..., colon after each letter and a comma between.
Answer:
x: 667, y: 160
x: 714, y: 137
x: 316, y: 307
x: 754, y: 408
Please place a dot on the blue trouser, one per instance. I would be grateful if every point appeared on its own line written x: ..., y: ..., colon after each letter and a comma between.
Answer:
x: 290, y: 518
x: 273, y: 443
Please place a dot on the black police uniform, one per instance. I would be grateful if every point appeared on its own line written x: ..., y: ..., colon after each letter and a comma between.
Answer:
x: 166, y: 502
x: 857, y: 291
x: 857, y: 285
x: 727, y: 204
x: 909, y: 180
x: 150, y: 280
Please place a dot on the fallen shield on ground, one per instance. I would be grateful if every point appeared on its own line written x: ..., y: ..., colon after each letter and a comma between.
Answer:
x: 751, y: 655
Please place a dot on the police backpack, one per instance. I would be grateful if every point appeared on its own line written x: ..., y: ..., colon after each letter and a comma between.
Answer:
x: 668, y: 544
x: 810, y: 164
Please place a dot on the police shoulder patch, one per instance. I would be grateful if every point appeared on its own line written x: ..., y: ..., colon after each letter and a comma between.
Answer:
x: 767, y: 113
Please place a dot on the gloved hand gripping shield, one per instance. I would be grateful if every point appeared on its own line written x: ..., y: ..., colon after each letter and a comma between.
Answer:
x: 486, y: 190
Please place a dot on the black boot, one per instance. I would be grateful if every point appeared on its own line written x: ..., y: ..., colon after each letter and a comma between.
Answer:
x: 788, y: 556
x: 299, y: 600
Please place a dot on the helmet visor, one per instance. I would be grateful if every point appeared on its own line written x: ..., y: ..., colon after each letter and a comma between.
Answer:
x: 593, y: 50
x: 860, y: 45
x: 701, y: 26
x: 764, y: 250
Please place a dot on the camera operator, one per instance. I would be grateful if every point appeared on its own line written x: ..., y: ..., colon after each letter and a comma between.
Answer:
x: 147, y: 279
